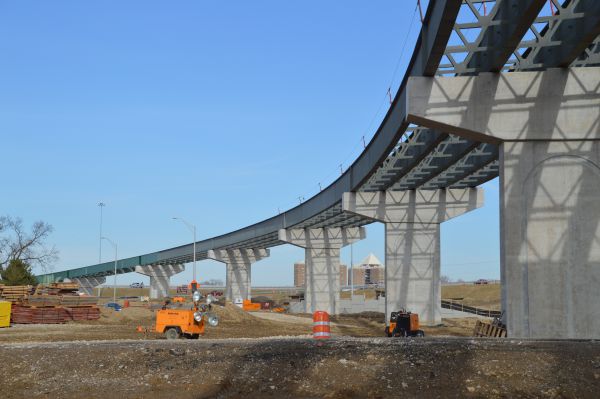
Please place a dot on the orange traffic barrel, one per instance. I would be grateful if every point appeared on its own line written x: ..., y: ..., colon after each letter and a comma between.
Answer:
x: 321, y: 328
x: 126, y: 303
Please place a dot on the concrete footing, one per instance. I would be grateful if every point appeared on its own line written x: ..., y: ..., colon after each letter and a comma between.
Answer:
x: 412, y: 242
x: 239, y: 264
x: 322, y: 253
x: 87, y: 284
x: 547, y: 124
x: 160, y: 277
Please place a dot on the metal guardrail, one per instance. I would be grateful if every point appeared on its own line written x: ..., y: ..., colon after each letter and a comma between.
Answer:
x: 470, y: 309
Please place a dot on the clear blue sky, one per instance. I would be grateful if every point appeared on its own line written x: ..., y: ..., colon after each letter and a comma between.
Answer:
x: 218, y: 112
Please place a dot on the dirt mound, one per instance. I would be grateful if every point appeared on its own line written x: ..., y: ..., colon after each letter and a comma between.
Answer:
x: 232, y: 314
x: 131, y: 316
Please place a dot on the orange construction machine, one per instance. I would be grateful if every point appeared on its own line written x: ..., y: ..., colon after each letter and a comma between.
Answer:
x: 404, y: 324
x: 188, y: 323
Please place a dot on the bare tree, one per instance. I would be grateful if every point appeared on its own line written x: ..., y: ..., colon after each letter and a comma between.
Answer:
x: 16, y: 243
x: 445, y: 279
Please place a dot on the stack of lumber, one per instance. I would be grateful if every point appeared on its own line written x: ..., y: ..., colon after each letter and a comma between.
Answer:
x: 27, y: 314
x: 15, y: 293
x: 57, y: 289
x: 61, y: 300
x: 55, y: 303
x: 32, y: 315
x: 42, y: 300
x: 72, y: 301
x: 81, y: 313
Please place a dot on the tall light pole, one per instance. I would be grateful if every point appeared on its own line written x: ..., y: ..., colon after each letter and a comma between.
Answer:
x: 100, y: 205
x: 351, y: 270
x: 192, y: 228
x: 115, y: 280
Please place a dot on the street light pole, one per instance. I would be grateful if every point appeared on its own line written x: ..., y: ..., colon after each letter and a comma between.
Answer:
x: 192, y: 228
x: 100, y: 205
x: 351, y: 271
x: 115, y: 280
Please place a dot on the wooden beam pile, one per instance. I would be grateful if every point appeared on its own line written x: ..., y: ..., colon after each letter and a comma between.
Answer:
x: 31, y: 315
x: 26, y: 314
x: 57, y: 289
x: 55, y: 303
x: 81, y: 313
x: 15, y: 293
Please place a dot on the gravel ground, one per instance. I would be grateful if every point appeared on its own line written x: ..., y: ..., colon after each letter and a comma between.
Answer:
x: 286, y: 367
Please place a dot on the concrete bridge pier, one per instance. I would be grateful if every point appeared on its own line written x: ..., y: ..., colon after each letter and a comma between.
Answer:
x: 412, y: 242
x: 87, y: 284
x: 322, y: 260
x: 160, y: 277
x: 547, y: 127
x: 238, y: 263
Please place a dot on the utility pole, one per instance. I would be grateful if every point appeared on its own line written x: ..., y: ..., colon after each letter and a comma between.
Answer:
x: 351, y: 271
x: 100, y: 205
x: 115, y: 271
x: 192, y: 228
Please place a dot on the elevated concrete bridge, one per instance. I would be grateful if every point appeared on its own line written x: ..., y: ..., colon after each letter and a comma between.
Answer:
x: 494, y: 88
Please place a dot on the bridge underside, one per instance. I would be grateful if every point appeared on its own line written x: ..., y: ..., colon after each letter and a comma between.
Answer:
x: 547, y: 187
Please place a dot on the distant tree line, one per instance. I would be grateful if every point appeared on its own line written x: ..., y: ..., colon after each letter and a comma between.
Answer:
x: 21, y: 250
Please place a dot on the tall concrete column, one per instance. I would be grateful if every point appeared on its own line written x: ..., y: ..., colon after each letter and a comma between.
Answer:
x: 87, y: 284
x: 238, y: 263
x: 322, y: 263
x: 547, y: 125
x: 160, y: 278
x: 412, y: 242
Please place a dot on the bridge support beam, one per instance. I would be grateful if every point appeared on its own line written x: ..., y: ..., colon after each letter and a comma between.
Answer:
x: 547, y: 124
x: 412, y: 242
x: 87, y: 284
x: 322, y: 262
x: 238, y: 263
x: 160, y: 278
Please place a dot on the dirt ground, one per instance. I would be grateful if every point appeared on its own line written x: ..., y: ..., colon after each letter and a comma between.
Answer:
x: 302, y: 368
x: 272, y: 355
x: 234, y: 323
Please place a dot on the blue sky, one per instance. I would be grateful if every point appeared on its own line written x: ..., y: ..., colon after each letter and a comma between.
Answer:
x: 221, y: 113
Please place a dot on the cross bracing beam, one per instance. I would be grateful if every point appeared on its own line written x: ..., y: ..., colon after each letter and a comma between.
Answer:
x: 436, y: 162
x: 482, y: 175
x: 409, y: 152
x: 590, y: 56
x: 480, y: 156
x: 500, y: 32
x: 564, y: 37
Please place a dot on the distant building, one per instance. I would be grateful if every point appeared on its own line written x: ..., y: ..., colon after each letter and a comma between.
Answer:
x: 300, y: 274
x: 369, y: 272
x: 343, y: 275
